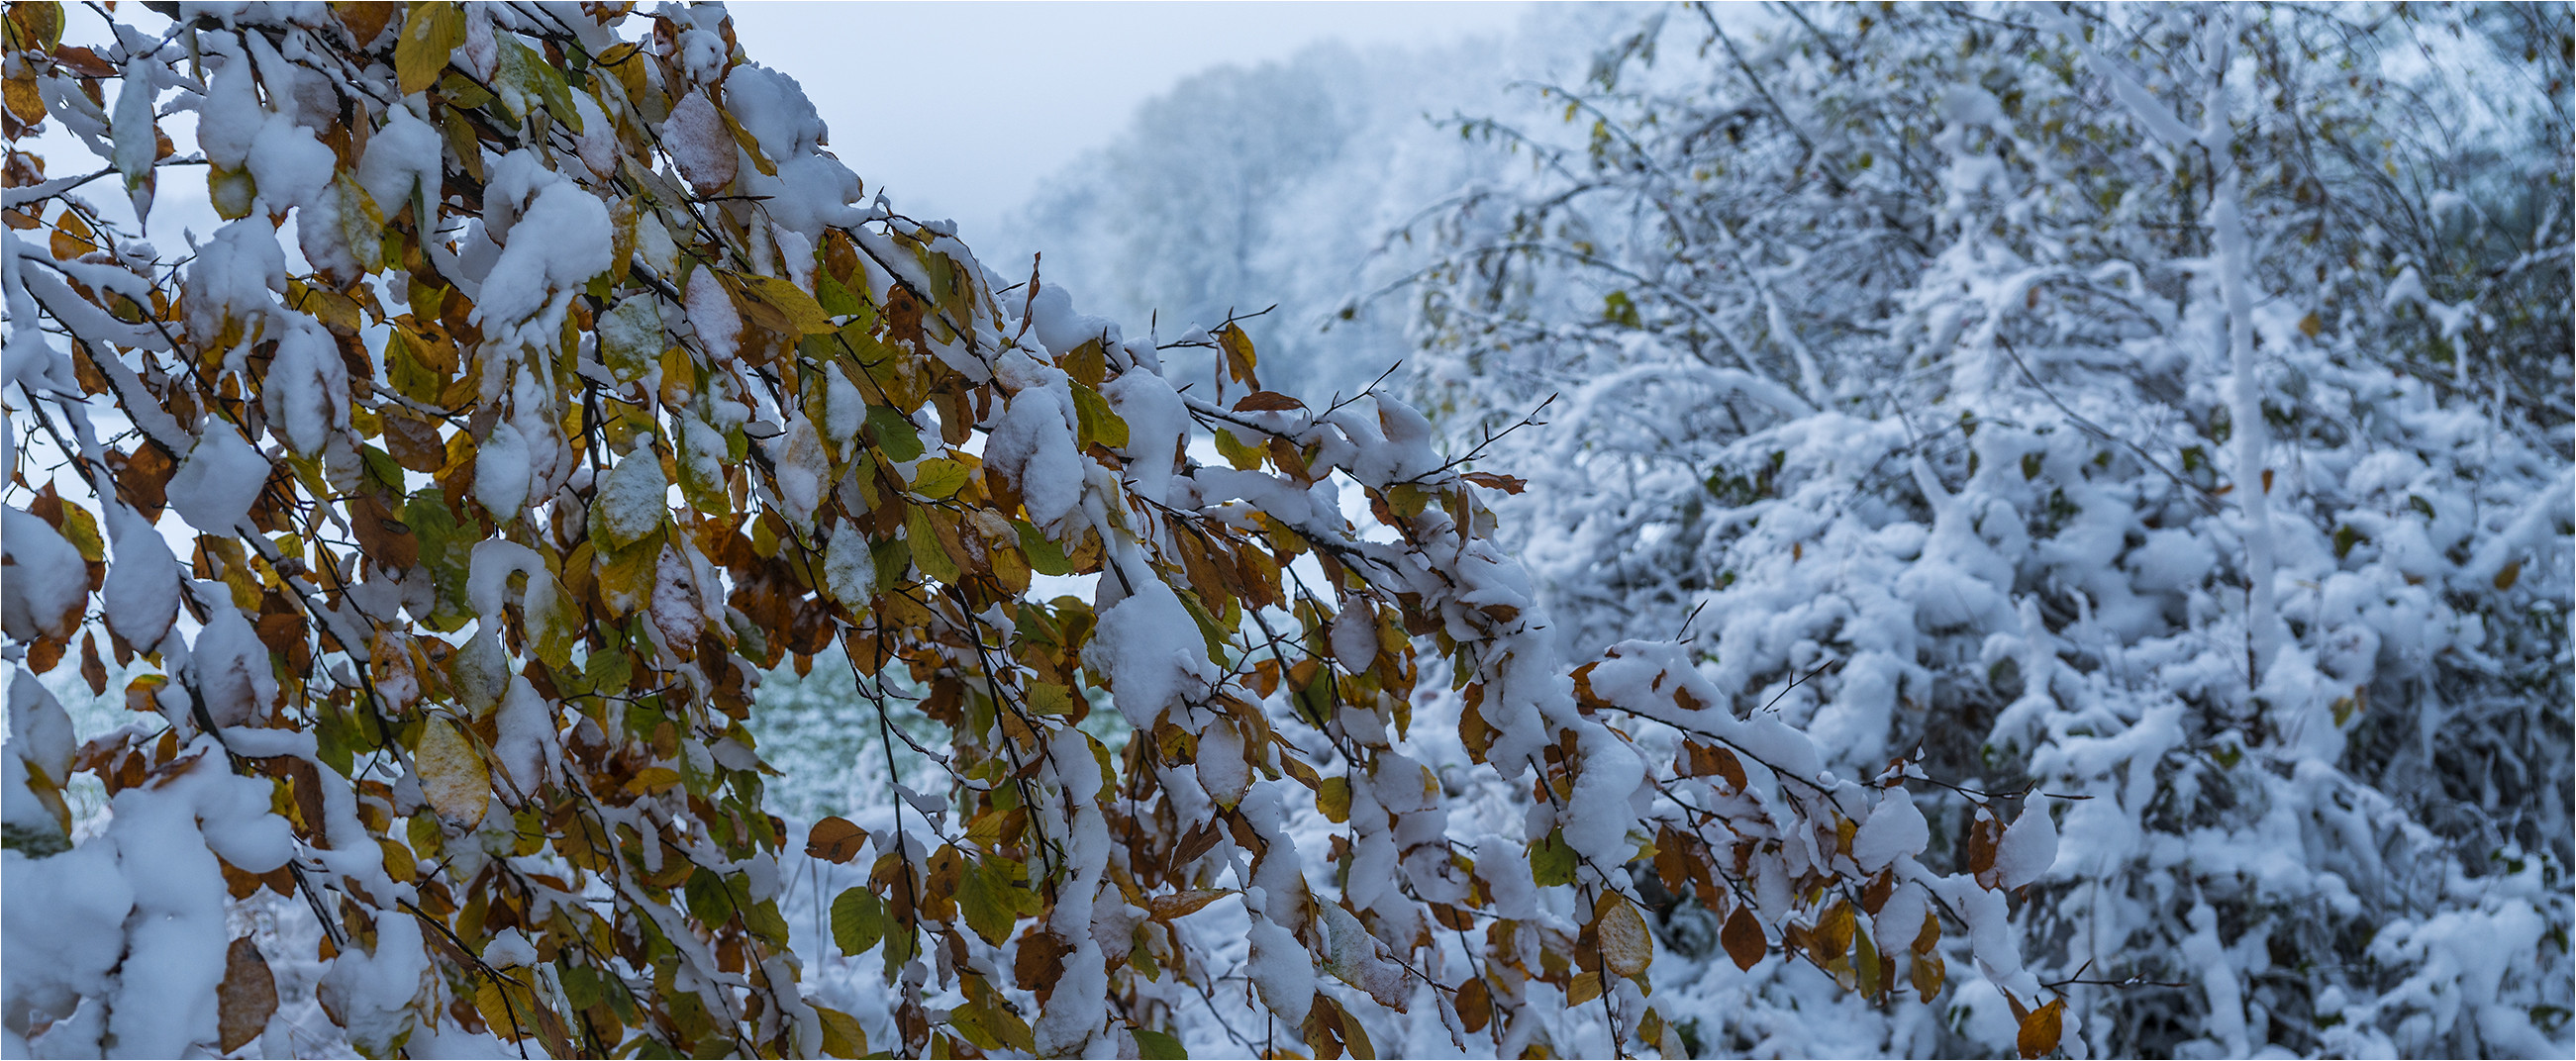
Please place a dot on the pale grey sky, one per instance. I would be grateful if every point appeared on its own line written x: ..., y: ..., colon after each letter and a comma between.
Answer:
x: 988, y: 99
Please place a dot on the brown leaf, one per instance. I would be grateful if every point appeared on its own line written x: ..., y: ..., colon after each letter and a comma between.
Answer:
x: 1475, y: 1005
x: 2506, y: 575
x: 1508, y: 484
x: 387, y: 539
x: 1263, y: 401
x: 834, y: 839
x: 1743, y: 938
x: 1983, y: 835
x: 1182, y: 904
x: 93, y: 669
x: 365, y: 18
x: 2041, y: 1030
x: 1040, y: 962
x: 247, y: 996
x: 1724, y: 763
x: 143, y: 479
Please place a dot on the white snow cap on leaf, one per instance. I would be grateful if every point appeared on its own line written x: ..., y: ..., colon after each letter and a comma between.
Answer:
x: 699, y: 143
x: 223, y: 475
x: 235, y: 679
x: 526, y: 738
x: 403, y: 153
x: 1034, y: 443
x: 554, y: 246
x: 711, y: 312
x: 374, y: 993
x: 1151, y: 650
x: 1059, y: 328
x: 1894, y: 830
x: 142, y: 591
x: 502, y: 472
x: 288, y: 164
x: 238, y: 273
x: 46, y: 582
x: 773, y: 108
x: 307, y: 389
x: 2029, y: 847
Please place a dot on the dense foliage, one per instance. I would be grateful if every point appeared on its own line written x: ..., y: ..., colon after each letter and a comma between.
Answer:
x: 549, y: 383
x: 2159, y: 413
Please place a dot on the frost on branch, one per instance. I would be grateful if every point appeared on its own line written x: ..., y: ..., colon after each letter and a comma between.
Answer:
x: 440, y: 554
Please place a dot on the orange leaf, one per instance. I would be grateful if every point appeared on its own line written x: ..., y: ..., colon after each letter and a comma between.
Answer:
x: 2041, y: 1030
x: 834, y: 839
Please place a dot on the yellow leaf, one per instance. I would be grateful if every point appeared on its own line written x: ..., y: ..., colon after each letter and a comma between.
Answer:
x: 938, y: 477
x: 430, y: 31
x: 2041, y: 1030
x: 1626, y: 948
x: 1586, y: 987
x: 1334, y: 798
x: 652, y: 780
x: 452, y: 773
x: 842, y: 1034
x: 791, y: 302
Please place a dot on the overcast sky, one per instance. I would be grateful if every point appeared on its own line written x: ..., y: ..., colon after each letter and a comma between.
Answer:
x: 987, y: 100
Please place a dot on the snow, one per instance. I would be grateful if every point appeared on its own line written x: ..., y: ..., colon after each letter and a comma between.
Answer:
x: 2029, y: 847
x: 404, y: 156
x: 548, y: 250
x: 699, y: 143
x: 711, y: 312
x: 1033, y: 445
x: 1895, y: 830
x: 47, y: 581
x: 288, y: 164
x: 1150, y: 649
x: 633, y: 499
x: 307, y: 387
x: 501, y: 472
x: 214, y: 488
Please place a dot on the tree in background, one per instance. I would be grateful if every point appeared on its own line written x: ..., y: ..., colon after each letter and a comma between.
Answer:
x: 446, y: 544
x: 2160, y: 413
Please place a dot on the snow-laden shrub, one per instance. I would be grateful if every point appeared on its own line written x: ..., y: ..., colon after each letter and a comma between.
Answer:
x: 2158, y: 416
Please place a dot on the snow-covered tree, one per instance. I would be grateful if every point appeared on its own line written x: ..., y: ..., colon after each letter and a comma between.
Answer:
x: 2153, y: 417
x: 1243, y: 188
x: 549, y: 383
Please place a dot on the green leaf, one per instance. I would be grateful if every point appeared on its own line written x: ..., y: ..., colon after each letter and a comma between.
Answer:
x: 1045, y: 556
x: 927, y: 554
x: 938, y: 477
x: 630, y: 338
x: 1097, y: 422
x: 1244, y: 456
x: 834, y: 298
x: 1158, y: 1046
x: 895, y: 435
x: 992, y: 900
x: 1551, y: 861
x: 858, y: 921
x: 1048, y: 698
